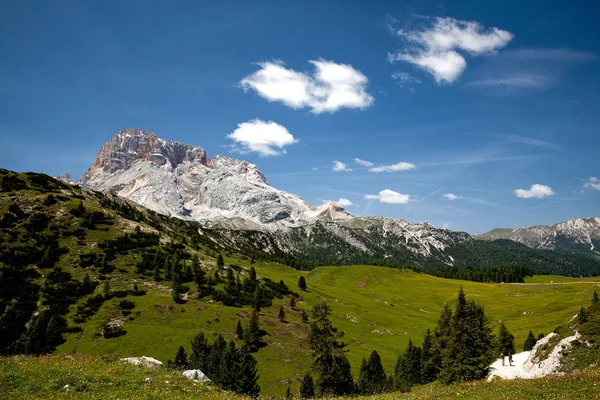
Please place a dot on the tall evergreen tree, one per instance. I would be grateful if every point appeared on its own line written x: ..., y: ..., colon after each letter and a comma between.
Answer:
x: 594, y: 297
x: 331, y: 364
x: 408, y: 366
x: 200, y: 353
x: 220, y: 262
x: 372, y: 377
x: 302, y: 283
x: 252, y: 334
x: 429, y: 366
x: 252, y: 274
x: 181, y: 361
x: 506, y: 340
x: 106, y: 290
x: 307, y: 387
x: 470, y: 349
x: 529, y: 342
x: 247, y: 379
x: 217, y: 351
x: 229, y: 367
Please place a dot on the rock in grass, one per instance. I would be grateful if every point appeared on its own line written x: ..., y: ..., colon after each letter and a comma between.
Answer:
x: 143, y: 361
x: 195, y: 374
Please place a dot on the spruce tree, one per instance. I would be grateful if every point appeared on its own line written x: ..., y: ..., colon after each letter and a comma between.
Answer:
x: 529, y: 342
x: 239, y: 331
x: 257, y: 300
x: 429, y: 366
x: 220, y: 262
x: 181, y: 361
x: 540, y: 336
x: 582, y: 316
x: 228, y: 366
x: 200, y: 353
x: 372, y: 377
x: 408, y: 366
x: 307, y: 387
x: 252, y: 334
x: 506, y: 340
x: 330, y: 362
x: 56, y: 327
x: 470, y: 349
x: 176, y: 291
x: 252, y: 274
x: 302, y: 283
x: 217, y: 351
x: 281, y: 314
x: 247, y: 379
x: 594, y: 297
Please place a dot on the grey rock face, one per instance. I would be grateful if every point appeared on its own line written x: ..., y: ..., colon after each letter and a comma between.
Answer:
x: 180, y: 180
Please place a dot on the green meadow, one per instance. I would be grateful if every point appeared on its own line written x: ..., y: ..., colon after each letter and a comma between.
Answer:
x: 377, y: 308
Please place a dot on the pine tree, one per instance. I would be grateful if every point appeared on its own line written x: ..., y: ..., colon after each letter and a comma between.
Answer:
x: 302, y: 283
x: 529, y: 342
x: 281, y: 314
x: 429, y: 367
x: 228, y: 367
x: 181, y: 361
x: 540, y: 336
x: 247, y: 379
x: 252, y: 334
x: 200, y: 353
x: 470, y: 349
x: 257, y: 300
x: 307, y: 387
x: 408, y: 367
x: 176, y: 291
x: 213, y: 366
x: 332, y: 366
x: 594, y: 297
x: 239, y: 331
x: 506, y: 340
x: 372, y: 377
x: 304, y: 317
x: 252, y: 274
x: 220, y: 262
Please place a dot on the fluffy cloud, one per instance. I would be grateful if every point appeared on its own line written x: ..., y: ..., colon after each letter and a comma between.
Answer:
x: 261, y: 137
x: 435, y: 47
x: 344, y: 202
x: 389, y: 196
x: 331, y: 87
x: 536, y: 191
x: 593, y: 182
x: 451, y: 196
x: 364, y: 163
x: 339, y: 166
x: 401, y: 166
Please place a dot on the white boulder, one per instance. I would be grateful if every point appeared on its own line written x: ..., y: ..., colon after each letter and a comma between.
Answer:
x: 195, y: 374
x: 143, y: 361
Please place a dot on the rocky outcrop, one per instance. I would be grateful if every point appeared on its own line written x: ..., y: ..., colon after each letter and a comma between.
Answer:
x: 143, y: 361
x: 196, y: 375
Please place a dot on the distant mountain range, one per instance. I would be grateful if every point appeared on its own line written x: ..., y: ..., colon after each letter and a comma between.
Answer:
x: 233, y: 197
x: 575, y: 236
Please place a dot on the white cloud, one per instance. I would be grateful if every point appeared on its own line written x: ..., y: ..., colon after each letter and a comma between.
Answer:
x: 261, y: 137
x: 536, y: 191
x: 331, y: 87
x: 389, y: 196
x: 435, y: 48
x: 339, y: 166
x: 401, y: 166
x: 404, y: 78
x: 344, y: 202
x: 364, y: 163
x: 451, y: 196
x: 529, y: 141
x: 593, y: 182
x: 315, y: 168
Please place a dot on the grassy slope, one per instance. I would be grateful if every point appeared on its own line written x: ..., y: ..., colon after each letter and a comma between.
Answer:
x: 365, y: 294
x: 104, y: 378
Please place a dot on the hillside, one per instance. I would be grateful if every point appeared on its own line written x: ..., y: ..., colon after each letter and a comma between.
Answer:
x: 52, y: 235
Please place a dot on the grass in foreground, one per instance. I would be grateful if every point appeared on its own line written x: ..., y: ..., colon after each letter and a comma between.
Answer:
x: 91, y: 377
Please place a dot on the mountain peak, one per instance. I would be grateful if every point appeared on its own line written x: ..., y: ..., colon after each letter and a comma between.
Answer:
x: 128, y: 146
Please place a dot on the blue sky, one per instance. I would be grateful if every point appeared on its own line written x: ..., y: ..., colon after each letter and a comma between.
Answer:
x: 473, y: 114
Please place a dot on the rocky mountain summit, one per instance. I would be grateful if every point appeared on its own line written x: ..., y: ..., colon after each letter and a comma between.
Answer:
x: 180, y: 180
x: 581, y: 235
